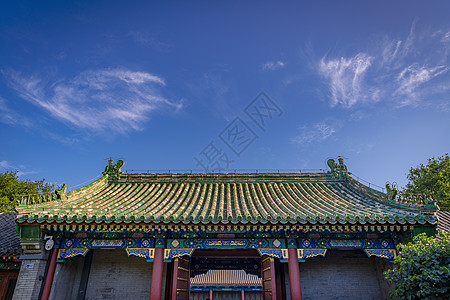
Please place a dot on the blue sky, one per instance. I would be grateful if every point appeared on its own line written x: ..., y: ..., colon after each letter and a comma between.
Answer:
x: 223, y: 85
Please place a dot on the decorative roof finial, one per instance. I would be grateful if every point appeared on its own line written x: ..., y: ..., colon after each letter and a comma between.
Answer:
x: 338, y: 170
x: 113, y: 171
x: 391, y: 190
x: 61, y: 193
x: 430, y: 204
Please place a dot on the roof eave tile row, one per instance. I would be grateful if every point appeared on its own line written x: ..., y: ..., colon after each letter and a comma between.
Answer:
x: 419, y: 219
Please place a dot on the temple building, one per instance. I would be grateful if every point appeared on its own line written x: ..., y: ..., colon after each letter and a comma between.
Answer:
x: 204, y: 236
x: 10, y: 252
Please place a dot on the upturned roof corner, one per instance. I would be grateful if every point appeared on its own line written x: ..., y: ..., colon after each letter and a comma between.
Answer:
x: 426, y: 203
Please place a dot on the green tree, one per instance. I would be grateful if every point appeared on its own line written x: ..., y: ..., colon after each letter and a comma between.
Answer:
x: 432, y: 179
x: 422, y: 268
x: 11, y: 185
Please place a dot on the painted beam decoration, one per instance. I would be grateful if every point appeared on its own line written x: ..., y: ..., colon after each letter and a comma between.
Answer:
x: 226, y: 243
x: 69, y: 248
x: 106, y: 243
x: 389, y: 254
x: 281, y: 254
x: 147, y: 253
x: 8, y: 263
x: 67, y: 253
x: 303, y: 254
x: 170, y: 254
x: 383, y: 248
x: 183, y: 247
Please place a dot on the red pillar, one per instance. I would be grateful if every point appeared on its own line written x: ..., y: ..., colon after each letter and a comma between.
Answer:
x: 294, y: 275
x: 211, y: 294
x: 50, y: 275
x: 157, y: 274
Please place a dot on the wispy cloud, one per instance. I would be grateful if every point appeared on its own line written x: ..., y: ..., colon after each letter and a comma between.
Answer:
x: 346, y: 79
x: 313, y: 133
x: 9, y: 116
x: 412, y: 77
x: 445, y: 37
x: 117, y: 100
x: 7, y: 166
x: 273, y: 65
x: 398, y: 71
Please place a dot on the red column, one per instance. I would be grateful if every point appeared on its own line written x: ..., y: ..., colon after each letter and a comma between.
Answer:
x: 211, y: 294
x: 50, y: 275
x: 157, y: 274
x: 242, y: 294
x: 294, y: 275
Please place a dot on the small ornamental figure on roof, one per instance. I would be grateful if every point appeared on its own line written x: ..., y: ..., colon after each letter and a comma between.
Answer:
x: 113, y: 171
x: 61, y: 193
x: 430, y: 204
x: 391, y: 191
x: 338, y: 170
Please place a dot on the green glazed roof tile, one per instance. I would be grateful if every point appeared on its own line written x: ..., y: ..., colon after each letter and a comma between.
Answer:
x: 239, y: 198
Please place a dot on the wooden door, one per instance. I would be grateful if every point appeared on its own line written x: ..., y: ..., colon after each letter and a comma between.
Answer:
x: 8, y: 281
x: 268, y: 278
x: 180, y: 278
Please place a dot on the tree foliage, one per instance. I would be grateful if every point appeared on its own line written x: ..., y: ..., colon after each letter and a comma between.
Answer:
x: 432, y: 179
x: 423, y: 268
x: 11, y: 185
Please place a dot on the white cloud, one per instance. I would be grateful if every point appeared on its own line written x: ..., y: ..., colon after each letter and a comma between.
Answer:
x: 273, y: 65
x: 315, y: 133
x: 4, y: 165
x: 412, y: 77
x: 399, y: 72
x: 446, y: 37
x: 9, y: 116
x: 391, y: 51
x: 346, y: 78
x: 7, y: 166
x: 115, y: 100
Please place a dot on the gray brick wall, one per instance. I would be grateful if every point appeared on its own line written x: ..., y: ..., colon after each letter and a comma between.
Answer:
x: 287, y: 285
x: 28, y: 284
x: 67, y: 278
x: 345, y: 274
x: 386, y: 287
x: 114, y: 275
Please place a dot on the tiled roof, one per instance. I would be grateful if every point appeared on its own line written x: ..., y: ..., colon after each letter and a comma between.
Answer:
x: 443, y: 221
x: 226, y: 278
x: 9, y: 241
x: 295, y: 198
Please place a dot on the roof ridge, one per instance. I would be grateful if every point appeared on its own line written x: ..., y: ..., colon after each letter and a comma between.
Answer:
x: 219, y: 177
